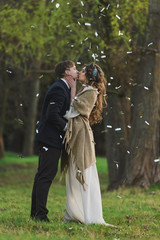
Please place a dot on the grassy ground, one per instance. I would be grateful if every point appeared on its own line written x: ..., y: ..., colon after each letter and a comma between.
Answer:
x: 136, y: 212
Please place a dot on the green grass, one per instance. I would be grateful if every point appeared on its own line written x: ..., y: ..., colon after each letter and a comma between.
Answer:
x: 135, y: 211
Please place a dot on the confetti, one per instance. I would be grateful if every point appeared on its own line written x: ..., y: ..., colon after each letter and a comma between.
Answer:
x: 79, y: 23
x: 78, y: 62
x: 57, y: 5
x: 79, y: 171
x: 45, y: 148
x: 96, y: 34
x: 102, y: 9
x: 61, y: 136
x: 109, y: 84
x: 146, y: 88
x: 37, y: 131
x: 103, y: 56
x: 118, y: 87
x: 150, y: 44
x: 87, y: 24
x: 118, y: 129
x: 37, y: 94
x: 85, y: 38
x: 118, y: 17
x: 119, y: 196
x: 128, y: 151
x: 21, y: 104
x: 8, y: 71
x: 128, y: 126
x: 129, y: 52
x: 42, y: 75
x: 82, y: 3
x: 108, y: 6
x: 147, y: 123
x: 52, y: 102
x: 156, y: 160
x: 109, y: 126
x: 111, y: 77
x: 120, y: 33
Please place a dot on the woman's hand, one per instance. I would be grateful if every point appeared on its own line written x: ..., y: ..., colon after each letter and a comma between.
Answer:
x: 72, y: 83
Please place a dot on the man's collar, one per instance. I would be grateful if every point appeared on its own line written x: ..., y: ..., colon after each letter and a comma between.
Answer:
x: 65, y: 82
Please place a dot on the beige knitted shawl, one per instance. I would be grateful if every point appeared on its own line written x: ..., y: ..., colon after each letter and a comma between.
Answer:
x: 79, y: 140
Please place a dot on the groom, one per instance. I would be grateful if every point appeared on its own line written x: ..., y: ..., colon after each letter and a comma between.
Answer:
x: 50, y: 133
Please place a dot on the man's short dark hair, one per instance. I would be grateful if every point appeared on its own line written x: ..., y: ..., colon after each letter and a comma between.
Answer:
x: 62, y: 66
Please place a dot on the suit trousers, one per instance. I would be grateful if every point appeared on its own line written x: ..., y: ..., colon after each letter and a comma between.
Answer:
x: 47, y: 169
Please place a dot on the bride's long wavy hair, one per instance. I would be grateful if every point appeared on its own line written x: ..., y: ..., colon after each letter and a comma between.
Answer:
x: 95, y: 77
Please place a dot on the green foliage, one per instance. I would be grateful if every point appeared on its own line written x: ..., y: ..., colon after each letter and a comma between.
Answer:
x: 45, y: 30
x: 134, y: 211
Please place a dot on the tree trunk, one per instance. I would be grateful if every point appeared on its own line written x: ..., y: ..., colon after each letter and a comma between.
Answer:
x: 141, y: 167
x: 116, y: 147
x: 3, y: 103
x: 31, y: 118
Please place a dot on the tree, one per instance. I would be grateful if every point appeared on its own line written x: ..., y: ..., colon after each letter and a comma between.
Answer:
x: 142, y: 168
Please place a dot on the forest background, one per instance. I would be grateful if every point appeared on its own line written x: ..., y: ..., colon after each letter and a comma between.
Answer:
x: 123, y: 37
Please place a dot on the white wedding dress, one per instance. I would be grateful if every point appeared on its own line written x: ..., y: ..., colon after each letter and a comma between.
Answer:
x: 83, y: 206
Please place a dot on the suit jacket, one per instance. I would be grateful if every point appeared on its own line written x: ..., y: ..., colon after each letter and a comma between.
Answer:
x: 52, y: 123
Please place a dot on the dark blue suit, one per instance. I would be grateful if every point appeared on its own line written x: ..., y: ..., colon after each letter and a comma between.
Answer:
x: 50, y: 135
x: 52, y: 123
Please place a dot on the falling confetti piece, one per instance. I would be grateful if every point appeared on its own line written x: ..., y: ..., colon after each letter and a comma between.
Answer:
x: 96, y: 34
x: 129, y: 52
x: 45, y: 148
x: 108, y: 6
x: 118, y: 17
x: 21, y: 104
x: 146, y: 88
x: 57, y: 5
x: 79, y: 23
x: 147, y: 123
x: 8, y: 71
x: 82, y: 3
x: 78, y: 62
x: 128, y: 126
x: 70, y: 228
x: 119, y: 196
x: 102, y: 9
x: 120, y: 33
x: 103, y: 56
x: 118, y: 129
x: 150, y: 44
x: 118, y: 87
x: 37, y: 94
x: 109, y: 84
x: 109, y: 126
x: 111, y: 77
x: 52, y: 102
x: 37, y: 131
x: 87, y: 24
x: 61, y: 136
x: 128, y: 152
x: 156, y: 160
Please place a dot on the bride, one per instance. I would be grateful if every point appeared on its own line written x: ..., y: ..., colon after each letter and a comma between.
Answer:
x: 83, y: 203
